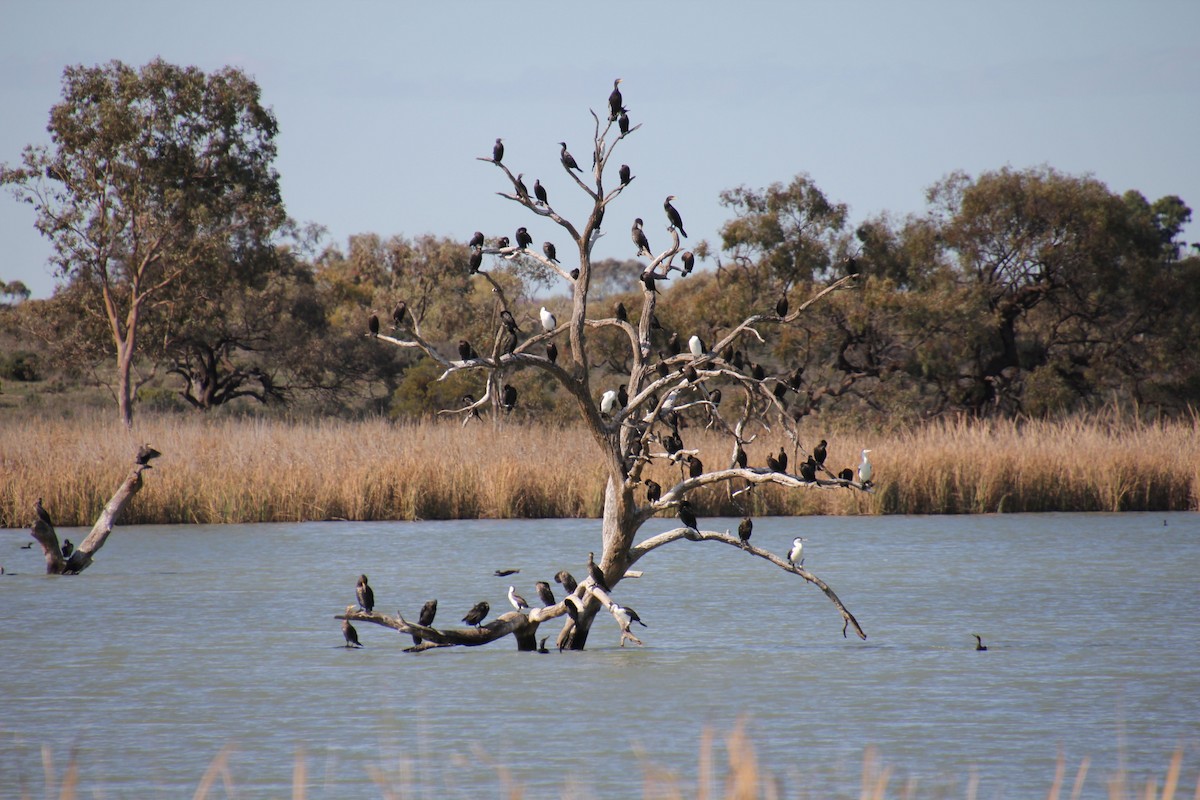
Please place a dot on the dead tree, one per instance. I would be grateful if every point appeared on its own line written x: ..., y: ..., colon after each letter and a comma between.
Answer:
x: 80, y: 558
x: 660, y: 386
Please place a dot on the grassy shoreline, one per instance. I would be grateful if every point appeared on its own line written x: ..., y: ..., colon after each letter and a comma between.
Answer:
x: 227, y: 470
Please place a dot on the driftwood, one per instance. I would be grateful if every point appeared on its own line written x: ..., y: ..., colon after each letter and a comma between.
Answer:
x: 81, y: 558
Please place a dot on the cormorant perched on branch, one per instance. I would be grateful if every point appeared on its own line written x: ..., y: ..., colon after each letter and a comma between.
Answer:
x: 851, y: 265
x: 428, y: 612
x: 614, y: 101
x: 398, y: 314
x: 522, y: 191
x: 518, y: 602
x: 523, y: 238
x: 739, y: 457
x: 498, y: 151
x: 509, y: 398
x: 808, y: 470
x: 695, y: 467
x: 622, y: 396
x: 373, y: 324
x: 623, y: 123
x: 146, y: 454
x: 567, y: 159
x: 348, y: 632
x: 620, y: 313
x: 474, y: 261
x: 552, y: 352
x: 653, y: 491
x: 673, y: 215
x: 773, y: 463
x: 648, y: 280
x: 567, y: 580
x: 745, y: 528
x: 365, y: 594
x: 847, y: 474
x: 783, y: 460
x: 627, y: 616
x: 549, y: 323
x: 623, y: 172
x: 477, y: 613
x: 544, y: 593
x: 796, y: 554
x: 781, y: 307
x: 67, y: 548
x: 507, y: 318
x: 539, y: 192
x: 476, y: 239
x: 465, y: 351
x: 820, y: 453
x: 639, y: 238
x: 596, y: 573
x: 690, y: 374
x: 689, y: 261
x: 551, y: 252
x: 687, y: 516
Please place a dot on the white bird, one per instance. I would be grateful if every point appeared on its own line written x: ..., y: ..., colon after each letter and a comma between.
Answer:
x: 627, y: 616
x: 864, y: 469
x: 549, y: 323
x: 796, y: 554
x: 517, y: 601
x: 608, y: 402
x: 696, y: 346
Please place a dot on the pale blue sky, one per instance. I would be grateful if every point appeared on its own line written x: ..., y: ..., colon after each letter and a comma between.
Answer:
x: 383, y: 106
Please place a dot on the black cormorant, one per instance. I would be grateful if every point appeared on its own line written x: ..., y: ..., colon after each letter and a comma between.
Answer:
x: 146, y: 454
x: 428, y: 612
x: 847, y: 474
x: 979, y: 645
x: 783, y: 460
x: 476, y: 239
x: 509, y: 398
x: 623, y: 172
x: 67, y: 548
x: 781, y: 307
x: 615, y: 109
x: 757, y: 372
x: 365, y: 594
x: 571, y: 604
x: 552, y: 352
x: 672, y: 444
x: 523, y: 238
x: 498, y: 151
x: 542, y: 645
x: 745, y: 527
x: 622, y: 396
x: 820, y: 452
x: 465, y: 351
x: 596, y: 573
x: 623, y: 123
x: 695, y: 467
x: 690, y: 374
x: 504, y: 573
x: 477, y: 613
x: 689, y: 261
x: 715, y: 397
x: 567, y: 159
x: 567, y: 580
x: 474, y: 261
x: 639, y: 238
x: 373, y: 324
x: 551, y: 251
x: 653, y: 491
x: 348, y: 632
x: 687, y: 516
x: 574, y: 273
x: 518, y: 602
x: 648, y: 277
x: 621, y: 313
x: 502, y: 242
x: 851, y: 265
x: 539, y: 192
x: 808, y: 470
x: 398, y: 314
x: 773, y: 463
x: 522, y: 191
x: 507, y: 318
x: 544, y: 594
x: 739, y: 457
x: 673, y: 215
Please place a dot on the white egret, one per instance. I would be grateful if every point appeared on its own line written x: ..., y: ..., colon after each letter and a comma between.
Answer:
x: 864, y: 469
x: 796, y: 554
x: 549, y: 323
x: 517, y: 601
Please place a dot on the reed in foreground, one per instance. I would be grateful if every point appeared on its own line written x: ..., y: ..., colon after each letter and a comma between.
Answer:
x: 247, y: 470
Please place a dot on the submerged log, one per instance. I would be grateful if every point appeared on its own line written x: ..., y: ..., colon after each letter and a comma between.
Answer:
x: 80, y: 559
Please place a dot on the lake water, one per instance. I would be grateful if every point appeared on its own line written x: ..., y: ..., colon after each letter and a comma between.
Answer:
x: 180, y: 641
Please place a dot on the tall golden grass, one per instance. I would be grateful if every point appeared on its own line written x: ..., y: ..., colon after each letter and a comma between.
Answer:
x: 252, y: 470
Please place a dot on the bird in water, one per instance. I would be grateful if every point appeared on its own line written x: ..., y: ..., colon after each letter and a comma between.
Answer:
x: 42, y: 513
x: 745, y: 527
x: 477, y: 613
x: 979, y: 645
x: 67, y: 548
x: 615, y: 108
x: 639, y: 238
x: 373, y: 324
x: 508, y: 398
x: 624, y: 174
x: 523, y: 238
x: 504, y: 573
x: 365, y: 594
x: 653, y: 491
x: 549, y: 323
x: 542, y: 645
x: 543, y: 592
x: 348, y: 632
x: 398, y: 314
x: 146, y: 454
x: 821, y: 452
x: 539, y: 192
x: 567, y: 159
x: 498, y: 151
x: 552, y: 352
x: 596, y: 573
x: 518, y: 602
x: 687, y: 516
x: 796, y: 554
x: 864, y: 469
x: 476, y: 239
x: 696, y: 345
x: 551, y: 251
x: 673, y: 215
x: 567, y: 580
x: 428, y: 612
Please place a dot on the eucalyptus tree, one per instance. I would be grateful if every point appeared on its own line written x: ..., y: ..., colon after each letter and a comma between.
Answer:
x: 638, y: 423
x: 152, y: 177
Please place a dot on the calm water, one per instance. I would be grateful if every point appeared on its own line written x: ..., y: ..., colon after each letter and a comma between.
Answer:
x: 182, y: 640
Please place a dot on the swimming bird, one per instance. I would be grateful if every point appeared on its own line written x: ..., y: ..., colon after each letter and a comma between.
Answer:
x: 979, y: 645
x: 567, y: 580
x: 146, y: 454
x: 42, y: 513
x: 821, y: 452
x: 373, y: 324
x: 614, y: 101
x: 365, y: 594
x: 567, y: 159
x: 67, y: 548
x: 428, y: 612
x: 477, y: 613
x: 498, y: 151
x: 348, y: 632
x: 539, y: 192
x: 523, y: 237
x: 518, y: 602
x: 673, y: 215
x: 549, y: 323
x: 476, y: 239
x: 687, y: 516
x: 796, y: 554
x: 745, y: 527
x: 504, y: 573
x: 653, y: 491
x: 864, y: 469
x: 639, y: 238
x: 551, y: 251
x: 544, y: 594
x: 696, y: 345
x: 596, y: 573
x: 552, y: 352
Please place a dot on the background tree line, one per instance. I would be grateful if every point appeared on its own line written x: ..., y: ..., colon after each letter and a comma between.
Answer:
x: 184, y: 284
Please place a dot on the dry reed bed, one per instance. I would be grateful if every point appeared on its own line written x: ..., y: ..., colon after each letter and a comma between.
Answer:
x: 246, y: 470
